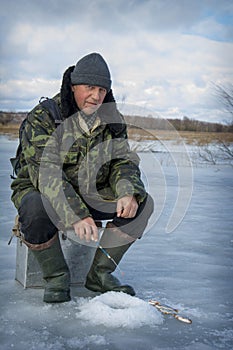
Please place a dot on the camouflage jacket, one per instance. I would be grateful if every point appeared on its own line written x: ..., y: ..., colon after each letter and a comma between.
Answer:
x: 74, y: 164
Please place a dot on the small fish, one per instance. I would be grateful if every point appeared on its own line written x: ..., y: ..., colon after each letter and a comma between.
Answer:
x: 163, y: 307
x: 168, y: 310
x: 183, y: 319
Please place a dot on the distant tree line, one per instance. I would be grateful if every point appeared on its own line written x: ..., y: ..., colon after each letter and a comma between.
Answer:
x: 11, y: 117
x: 223, y: 93
x: 184, y: 124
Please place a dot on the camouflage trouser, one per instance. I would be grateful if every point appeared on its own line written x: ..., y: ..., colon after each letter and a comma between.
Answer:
x: 37, y: 226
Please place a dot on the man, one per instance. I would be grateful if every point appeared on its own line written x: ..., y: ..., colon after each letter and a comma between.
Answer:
x: 74, y: 178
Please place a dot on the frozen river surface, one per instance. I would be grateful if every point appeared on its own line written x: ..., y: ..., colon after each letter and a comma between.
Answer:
x: 190, y: 268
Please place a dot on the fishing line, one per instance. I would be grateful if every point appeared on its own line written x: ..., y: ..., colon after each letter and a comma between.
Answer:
x: 110, y: 258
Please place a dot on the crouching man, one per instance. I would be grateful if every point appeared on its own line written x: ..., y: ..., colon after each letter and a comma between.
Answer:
x: 80, y: 175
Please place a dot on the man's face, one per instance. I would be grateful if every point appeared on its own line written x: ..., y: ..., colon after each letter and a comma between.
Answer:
x: 88, y: 98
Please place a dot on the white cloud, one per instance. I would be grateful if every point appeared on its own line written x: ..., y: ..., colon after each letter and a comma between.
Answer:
x: 162, y: 55
x: 25, y: 93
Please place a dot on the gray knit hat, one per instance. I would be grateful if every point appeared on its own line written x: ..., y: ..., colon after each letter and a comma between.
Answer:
x: 91, y: 70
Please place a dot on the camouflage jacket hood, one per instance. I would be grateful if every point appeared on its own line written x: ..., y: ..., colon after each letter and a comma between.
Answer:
x: 74, y: 165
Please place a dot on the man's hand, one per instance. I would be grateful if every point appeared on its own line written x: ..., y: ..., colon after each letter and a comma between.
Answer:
x: 127, y: 207
x: 86, y: 229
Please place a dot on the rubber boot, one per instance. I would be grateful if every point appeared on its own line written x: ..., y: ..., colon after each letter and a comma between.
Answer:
x: 100, y: 278
x: 55, y: 272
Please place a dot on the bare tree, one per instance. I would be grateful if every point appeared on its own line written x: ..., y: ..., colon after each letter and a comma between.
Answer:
x: 225, y: 96
x: 227, y: 150
x: 221, y: 151
x: 208, y: 155
x: 216, y: 154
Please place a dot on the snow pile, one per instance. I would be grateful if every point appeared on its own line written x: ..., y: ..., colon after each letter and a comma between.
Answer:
x: 114, y: 309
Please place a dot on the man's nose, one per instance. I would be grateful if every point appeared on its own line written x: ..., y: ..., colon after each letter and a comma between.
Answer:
x: 96, y: 94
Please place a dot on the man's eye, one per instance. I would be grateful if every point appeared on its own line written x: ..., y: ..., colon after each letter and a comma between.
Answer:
x: 89, y: 87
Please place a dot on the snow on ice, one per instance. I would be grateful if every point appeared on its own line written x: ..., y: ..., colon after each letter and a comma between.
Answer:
x: 190, y: 268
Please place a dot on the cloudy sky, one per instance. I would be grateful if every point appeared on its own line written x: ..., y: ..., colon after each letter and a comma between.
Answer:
x: 164, y: 55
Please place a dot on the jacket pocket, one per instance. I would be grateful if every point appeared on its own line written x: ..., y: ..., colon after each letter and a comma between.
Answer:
x: 70, y: 158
